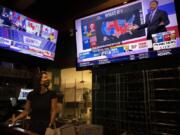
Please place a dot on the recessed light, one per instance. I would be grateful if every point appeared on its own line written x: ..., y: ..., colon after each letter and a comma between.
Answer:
x: 125, y: 2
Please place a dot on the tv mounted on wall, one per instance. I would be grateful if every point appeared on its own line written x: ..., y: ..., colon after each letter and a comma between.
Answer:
x: 126, y: 33
x: 24, y: 35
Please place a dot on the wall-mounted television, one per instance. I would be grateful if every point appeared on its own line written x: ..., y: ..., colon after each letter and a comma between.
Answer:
x: 21, y: 34
x: 133, y: 31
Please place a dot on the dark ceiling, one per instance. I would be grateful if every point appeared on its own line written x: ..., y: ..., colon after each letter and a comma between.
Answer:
x: 55, y: 13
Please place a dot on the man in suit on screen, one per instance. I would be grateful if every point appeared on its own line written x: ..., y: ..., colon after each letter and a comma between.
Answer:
x: 156, y: 20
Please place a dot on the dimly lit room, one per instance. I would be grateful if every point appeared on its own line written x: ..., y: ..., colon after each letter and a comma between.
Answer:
x: 89, y: 67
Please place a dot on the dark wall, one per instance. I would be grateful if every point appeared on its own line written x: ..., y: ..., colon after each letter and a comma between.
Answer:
x: 137, y: 97
x: 66, y: 51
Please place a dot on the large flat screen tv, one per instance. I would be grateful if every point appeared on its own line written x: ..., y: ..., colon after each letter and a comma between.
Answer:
x: 22, y: 34
x: 128, y: 32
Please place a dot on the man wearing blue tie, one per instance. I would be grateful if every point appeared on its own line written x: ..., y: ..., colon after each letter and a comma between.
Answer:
x: 156, y: 20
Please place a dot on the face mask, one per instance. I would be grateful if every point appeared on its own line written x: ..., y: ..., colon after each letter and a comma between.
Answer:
x: 46, y: 83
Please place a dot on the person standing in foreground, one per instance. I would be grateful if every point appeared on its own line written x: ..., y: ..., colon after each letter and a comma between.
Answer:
x: 42, y: 104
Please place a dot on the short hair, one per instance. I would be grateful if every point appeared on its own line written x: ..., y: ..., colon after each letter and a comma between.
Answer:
x: 154, y: 1
x: 37, y: 79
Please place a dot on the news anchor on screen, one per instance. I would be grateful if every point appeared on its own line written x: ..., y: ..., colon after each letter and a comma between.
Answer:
x: 156, y: 20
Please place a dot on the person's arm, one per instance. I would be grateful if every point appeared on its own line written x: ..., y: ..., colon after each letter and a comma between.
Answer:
x: 53, y: 111
x: 143, y: 25
x: 165, y: 20
x: 139, y: 27
x: 22, y: 114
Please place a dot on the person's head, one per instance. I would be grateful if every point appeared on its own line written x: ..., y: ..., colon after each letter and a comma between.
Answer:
x: 41, y: 80
x: 92, y: 26
x: 44, y: 79
x: 153, y: 4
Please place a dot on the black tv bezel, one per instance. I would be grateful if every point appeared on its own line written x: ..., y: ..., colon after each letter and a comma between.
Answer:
x: 129, y: 62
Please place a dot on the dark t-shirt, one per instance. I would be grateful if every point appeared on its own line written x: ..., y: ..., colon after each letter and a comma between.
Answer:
x: 41, y: 105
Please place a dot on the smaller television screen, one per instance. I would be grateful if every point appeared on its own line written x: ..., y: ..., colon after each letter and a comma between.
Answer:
x: 23, y: 93
x: 22, y: 34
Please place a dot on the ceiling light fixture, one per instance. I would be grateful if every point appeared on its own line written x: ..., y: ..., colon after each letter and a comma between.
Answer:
x: 125, y: 2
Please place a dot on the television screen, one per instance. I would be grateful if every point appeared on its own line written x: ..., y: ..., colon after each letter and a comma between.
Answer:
x: 22, y: 34
x: 137, y: 30
x: 23, y: 93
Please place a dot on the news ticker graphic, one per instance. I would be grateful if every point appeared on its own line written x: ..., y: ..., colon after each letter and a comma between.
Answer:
x: 115, y: 51
x: 164, y: 40
x: 132, y: 57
